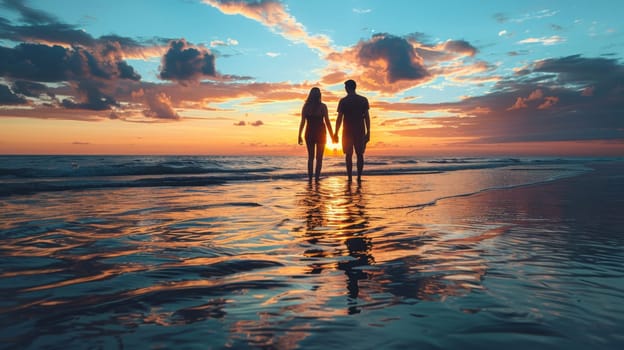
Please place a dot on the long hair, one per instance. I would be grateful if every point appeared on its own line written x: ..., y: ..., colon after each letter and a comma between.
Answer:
x: 313, y: 100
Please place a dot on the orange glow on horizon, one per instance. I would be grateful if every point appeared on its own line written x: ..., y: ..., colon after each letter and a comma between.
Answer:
x: 275, y: 137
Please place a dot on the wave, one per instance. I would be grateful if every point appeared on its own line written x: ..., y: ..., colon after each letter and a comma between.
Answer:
x: 121, y: 170
x: 26, y: 175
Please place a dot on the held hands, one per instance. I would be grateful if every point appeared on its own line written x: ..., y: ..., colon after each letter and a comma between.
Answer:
x: 335, y: 138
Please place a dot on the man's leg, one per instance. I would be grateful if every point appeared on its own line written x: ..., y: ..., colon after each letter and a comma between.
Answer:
x: 360, y: 147
x: 347, y: 148
x: 349, y: 163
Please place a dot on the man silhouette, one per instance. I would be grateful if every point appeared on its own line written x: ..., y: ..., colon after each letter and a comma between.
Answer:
x: 353, y: 108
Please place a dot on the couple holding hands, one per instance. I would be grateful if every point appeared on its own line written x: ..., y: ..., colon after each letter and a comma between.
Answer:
x: 353, y: 110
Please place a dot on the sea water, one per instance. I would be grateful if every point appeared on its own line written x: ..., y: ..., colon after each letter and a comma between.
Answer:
x: 243, y: 252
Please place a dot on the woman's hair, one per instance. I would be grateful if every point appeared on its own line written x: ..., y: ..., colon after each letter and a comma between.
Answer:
x: 314, y: 97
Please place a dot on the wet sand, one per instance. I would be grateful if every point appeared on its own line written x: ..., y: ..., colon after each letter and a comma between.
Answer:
x: 286, y: 264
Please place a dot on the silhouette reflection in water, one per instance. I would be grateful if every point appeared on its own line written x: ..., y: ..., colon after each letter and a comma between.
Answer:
x: 335, y: 219
x: 416, y: 261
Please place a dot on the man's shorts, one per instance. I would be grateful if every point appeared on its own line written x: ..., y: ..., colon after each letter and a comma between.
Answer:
x: 350, y: 142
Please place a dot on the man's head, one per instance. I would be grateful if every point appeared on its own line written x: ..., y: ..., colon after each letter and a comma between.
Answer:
x: 350, y: 85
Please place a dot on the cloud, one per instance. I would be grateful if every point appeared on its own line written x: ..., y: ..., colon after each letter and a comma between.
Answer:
x: 505, y: 18
x: 273, y: 54
x: 395, y: 55
x: 519, y: 104
x: 383, y: 63
x: 273, y: 15
x: 461, y: 47
x: 244, y: 123
x: 91, y: 97
x: 42, y: 28
x: 43, y: 63
x: 7, y: 97
x: 361, y: 11
x: 390, y: 63
x: 547, y: 101
x: 228, y: 42
x: 536, y: 95
x: 28, y: 14
x: 91, y: 74
x: 545, y: 13
x: 551, y: 40
x: 29, y: 88
x: 160, y: 107
x: 183, y: 63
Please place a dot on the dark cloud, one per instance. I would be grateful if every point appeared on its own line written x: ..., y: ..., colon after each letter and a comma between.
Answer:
x: 43, y: 63
x: 240, y: 123
x: 35, y: 62
x: 420, y: 37
x: 7, y: 97
x: 257, y: 123
x: 388, y: 63
x: 461, y: 47
x: 561, y: 99
x: 127, y: 72
x: 183, y: 63
x: 582, y: 71
x: 28, y: 14
x: 28, y: 88
x: 27, y: 65
x: 57, y: 33
x: 91, y: 97
x: 402, y: 62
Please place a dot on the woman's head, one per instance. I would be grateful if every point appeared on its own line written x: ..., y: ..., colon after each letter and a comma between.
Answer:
x: 314, y: 96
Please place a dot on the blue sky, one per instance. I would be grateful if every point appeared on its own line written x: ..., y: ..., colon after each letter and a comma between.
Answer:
x: 443, y: 74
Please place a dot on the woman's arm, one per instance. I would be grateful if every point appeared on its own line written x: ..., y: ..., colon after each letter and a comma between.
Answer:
x: 327, y: 122
x: 301, y: 124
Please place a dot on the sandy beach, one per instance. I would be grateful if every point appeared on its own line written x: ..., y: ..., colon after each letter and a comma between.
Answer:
x: 425, y: 260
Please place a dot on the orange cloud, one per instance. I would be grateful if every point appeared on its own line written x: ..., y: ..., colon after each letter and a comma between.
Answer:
x: 520, y: 103
x: 549, y: 101
x: 536, y: 95
x: 273, y: 15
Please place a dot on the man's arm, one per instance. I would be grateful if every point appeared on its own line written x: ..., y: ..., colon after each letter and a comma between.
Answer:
x: 338, y: 123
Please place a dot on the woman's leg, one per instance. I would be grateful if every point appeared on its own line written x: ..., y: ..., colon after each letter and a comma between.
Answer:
x: 310, y: 146
x: 320, y: 148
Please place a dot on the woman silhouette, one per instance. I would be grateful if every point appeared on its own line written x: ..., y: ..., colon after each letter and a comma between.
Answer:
x: 314, y: 115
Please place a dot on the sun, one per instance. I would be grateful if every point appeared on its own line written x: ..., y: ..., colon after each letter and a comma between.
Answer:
x: 333, y: 149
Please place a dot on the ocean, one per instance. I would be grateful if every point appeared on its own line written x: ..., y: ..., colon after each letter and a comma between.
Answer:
x: 192, y: 252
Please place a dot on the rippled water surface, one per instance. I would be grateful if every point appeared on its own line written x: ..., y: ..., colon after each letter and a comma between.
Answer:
x: 403, y: 261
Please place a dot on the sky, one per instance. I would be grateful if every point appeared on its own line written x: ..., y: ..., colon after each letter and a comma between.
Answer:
x: 226, y: 77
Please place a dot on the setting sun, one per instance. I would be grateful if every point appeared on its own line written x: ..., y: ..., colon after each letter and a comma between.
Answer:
x: 333, y: 149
